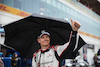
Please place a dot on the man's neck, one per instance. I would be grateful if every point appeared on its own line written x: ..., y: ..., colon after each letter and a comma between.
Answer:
x: 44, y: 47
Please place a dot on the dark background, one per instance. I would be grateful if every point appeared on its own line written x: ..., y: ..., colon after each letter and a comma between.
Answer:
x: 94, y: 5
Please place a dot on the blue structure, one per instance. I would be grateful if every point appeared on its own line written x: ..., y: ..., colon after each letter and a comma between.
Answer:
x: 2, y: 30
x: 7, y: 61
x: 55, y: 8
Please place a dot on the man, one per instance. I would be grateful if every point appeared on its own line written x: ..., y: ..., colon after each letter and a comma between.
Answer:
x: 63, y: 63
x: 95, y: 58
x: 49, y: 56
x: 1, y: 62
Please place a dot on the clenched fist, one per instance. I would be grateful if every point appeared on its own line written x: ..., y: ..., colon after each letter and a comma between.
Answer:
x: 75, y: 25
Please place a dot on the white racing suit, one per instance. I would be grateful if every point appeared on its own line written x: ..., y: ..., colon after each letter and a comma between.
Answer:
x: 47, y: 58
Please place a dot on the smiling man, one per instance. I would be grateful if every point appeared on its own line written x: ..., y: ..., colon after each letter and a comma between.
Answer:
x: 50, y: 56
x: 44, y: 39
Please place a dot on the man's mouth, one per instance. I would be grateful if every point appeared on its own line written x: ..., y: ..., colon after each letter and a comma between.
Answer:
x: 46, y: 40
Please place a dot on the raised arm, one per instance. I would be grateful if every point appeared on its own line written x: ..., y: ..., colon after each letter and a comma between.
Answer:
x: 73, y: 40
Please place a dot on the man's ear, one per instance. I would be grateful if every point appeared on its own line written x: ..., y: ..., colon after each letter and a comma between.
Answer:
x: 38, y: 40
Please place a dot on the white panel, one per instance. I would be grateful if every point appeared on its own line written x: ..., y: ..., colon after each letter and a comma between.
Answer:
x: 90, y: 55
x: 6, y: 18
x: 1, y: 39
x: 90, y: 40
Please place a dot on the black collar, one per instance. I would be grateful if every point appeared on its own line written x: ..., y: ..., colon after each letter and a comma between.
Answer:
x: 45, y: 50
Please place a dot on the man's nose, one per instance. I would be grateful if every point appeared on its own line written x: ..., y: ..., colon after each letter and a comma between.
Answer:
x: 45, y: 38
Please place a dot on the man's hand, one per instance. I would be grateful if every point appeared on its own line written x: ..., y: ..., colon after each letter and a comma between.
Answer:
x: 75, y: 25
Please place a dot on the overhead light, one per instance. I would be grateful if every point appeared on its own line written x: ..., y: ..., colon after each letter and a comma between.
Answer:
x: 66, y: 19
x: 41, y: 13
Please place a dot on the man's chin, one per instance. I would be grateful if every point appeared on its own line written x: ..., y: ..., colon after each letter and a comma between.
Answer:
x: 46, y: 45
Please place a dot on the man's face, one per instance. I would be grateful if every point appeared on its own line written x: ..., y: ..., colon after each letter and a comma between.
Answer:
x: 44, y: 40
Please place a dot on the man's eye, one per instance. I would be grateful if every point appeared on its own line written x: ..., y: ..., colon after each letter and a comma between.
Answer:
x: 42, y: 37
x: 47, y: 36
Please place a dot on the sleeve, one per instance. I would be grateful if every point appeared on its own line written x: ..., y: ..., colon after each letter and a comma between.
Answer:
x: 69, y: 47
x: 34, y: 62
x: 74, y: 53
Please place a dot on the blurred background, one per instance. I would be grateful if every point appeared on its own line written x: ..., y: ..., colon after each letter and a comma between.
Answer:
x: 87, y: 12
